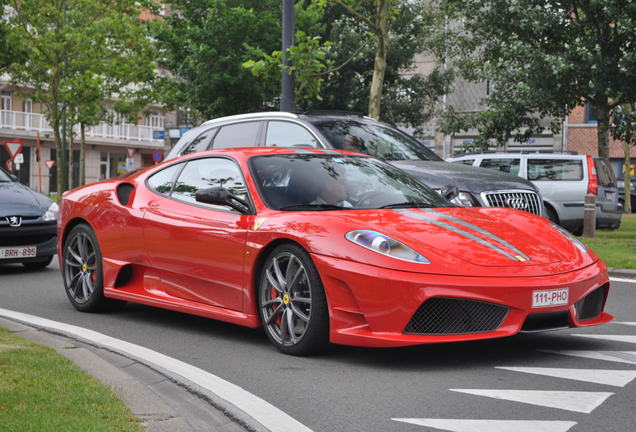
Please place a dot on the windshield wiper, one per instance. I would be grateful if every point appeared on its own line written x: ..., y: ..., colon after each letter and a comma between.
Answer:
x: 313, y: 207
x: 408, y: 204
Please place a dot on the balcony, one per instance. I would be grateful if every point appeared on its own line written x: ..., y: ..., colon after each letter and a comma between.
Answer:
x: 37, y: 122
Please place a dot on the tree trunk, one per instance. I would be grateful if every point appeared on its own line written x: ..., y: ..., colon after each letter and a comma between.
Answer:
x: 379, y: 67
x: 602, y: 129
x: 627, y: 177
x: 59, y: 157
x: 70, y: 156
x: 82, y: 157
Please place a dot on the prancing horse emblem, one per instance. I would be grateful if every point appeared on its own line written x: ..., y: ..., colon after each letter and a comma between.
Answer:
x: 14, y: 221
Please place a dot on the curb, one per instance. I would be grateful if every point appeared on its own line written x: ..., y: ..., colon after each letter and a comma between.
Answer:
x: 622, y: 273
x: 160, y: 404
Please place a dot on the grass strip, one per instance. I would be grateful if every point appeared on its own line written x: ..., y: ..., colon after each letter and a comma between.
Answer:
x: 42, y: 391
x: 616, y: 248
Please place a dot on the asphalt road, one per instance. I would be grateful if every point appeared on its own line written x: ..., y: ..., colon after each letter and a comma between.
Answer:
x: 355, y: 389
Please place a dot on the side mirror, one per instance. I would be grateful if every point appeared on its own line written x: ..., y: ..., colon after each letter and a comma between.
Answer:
x: 449, y: 192
x: 220, y: 195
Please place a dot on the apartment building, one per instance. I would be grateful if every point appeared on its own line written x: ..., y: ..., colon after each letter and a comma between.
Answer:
x: 108, y: 145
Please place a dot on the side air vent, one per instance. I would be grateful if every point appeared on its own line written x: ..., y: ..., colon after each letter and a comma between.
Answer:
x: 124, y: 276
x: 591, y: 305
x: 124, y: 191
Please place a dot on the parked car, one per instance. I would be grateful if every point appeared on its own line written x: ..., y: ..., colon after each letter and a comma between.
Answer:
x: 274, y: 237
x: 28, y: 224
x: 476, y: 187
x: 632, y: 193
x: 563, y: 180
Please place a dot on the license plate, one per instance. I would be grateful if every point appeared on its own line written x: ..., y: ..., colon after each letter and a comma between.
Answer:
x: 545, y: 298
x: 18, y: 252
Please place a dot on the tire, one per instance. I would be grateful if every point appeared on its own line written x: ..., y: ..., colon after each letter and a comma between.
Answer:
x: 293, y: 295
x: 551, y: 214
x: 38, y: 265
x: 82, y: 272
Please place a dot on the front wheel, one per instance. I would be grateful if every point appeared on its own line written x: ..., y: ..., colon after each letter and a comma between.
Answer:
x: 82, y: 271
x: 292, y: 303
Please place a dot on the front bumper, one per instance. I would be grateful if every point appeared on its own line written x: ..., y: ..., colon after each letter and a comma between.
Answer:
x: 42, y: 236
x: 372, y: 306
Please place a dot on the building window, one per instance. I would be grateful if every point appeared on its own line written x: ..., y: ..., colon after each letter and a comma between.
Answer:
x: 28, y: 106
x: 5, y: 101
x: 591, y: 114
x: 154, y: 120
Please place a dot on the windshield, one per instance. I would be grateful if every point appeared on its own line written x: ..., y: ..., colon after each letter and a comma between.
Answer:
x: 333, y: 182
x: 4, y: 177
x: 373, y: 138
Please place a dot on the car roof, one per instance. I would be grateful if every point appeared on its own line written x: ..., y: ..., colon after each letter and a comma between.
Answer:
x: 247, y: 152
x: 520, y: 155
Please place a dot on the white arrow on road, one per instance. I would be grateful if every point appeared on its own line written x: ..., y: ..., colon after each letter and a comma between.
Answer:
x: 617, y: 378
x: 628, y: 357
x: 615, y: 338
x: 460, y: 425
x: 579, y: 401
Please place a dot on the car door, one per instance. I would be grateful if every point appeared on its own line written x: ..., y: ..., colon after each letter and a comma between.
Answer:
x: 195, y: 249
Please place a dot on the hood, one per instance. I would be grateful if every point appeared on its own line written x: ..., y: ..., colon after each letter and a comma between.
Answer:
x: 493, y: 242
x: 465, y: 177
x: 18, y: 200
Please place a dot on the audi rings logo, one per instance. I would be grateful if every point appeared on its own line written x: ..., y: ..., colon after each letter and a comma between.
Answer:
x: 14, y: 221
x: 517, y: 203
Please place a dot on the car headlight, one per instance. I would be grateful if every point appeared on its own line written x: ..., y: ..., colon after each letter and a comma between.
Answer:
x: 576, y: 242
x: 462, y: 199
x: 385, y: 245
x: 51, y: 213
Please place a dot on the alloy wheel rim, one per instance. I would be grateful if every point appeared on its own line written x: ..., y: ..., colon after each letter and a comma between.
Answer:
x: 285, y: 295
x: 80, y: 267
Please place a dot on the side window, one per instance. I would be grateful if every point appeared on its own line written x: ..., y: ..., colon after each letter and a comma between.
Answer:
x: 162, y: 181
x: 207, y: 173
x: 465, y: 161
x: 238, y: 135
x: 200, y: 143
x: 504, y: 165
x: 287, y: 134
x: 555, y: 169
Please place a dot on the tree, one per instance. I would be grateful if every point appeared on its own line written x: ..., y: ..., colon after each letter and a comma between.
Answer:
x: 544, y: 58
x: 203, y: 44
x: 69, y: 43
x: 623, y: 128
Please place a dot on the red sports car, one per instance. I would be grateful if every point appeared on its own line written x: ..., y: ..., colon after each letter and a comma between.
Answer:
x: 322, y: 246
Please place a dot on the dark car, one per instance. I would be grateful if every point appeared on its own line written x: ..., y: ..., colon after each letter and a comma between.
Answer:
x: 28, y: 224
x: 632, y: 194
x: 477, y: 187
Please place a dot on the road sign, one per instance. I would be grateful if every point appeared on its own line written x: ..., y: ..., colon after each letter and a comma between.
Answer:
x: 18, y: 159
x: 158, y: 134
x: 9, y: 165
x: 49, y: 163
x: 131, y: 152
x: 14, y: 147
x: 184, y: 129
x: 157, y: 156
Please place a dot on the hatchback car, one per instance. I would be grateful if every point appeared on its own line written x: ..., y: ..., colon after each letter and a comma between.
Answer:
x: 563, y: 180
x: 28, y: 224
x: 327, y: 130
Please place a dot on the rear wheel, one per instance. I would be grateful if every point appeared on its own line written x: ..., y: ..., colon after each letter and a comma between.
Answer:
x: 292, y: 302
x: 82, y: 271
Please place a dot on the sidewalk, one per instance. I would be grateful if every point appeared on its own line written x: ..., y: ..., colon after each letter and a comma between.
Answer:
x: 161, y: 404
x: 622, y: 273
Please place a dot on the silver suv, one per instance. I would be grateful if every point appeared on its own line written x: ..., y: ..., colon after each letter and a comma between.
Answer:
x: 336, y: 130
x: 563, y: 180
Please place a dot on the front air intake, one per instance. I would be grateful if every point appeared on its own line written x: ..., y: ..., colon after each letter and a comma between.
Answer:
x: 591, y: 305
x: 447, y: 316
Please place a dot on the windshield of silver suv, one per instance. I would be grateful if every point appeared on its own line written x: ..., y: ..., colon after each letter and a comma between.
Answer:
x: 373, y: 138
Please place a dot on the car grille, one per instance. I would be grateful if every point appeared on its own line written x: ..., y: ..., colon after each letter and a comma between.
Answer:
x: 520, y: 200
x: 591, y: 305
x: 442, y: 315
x: 27, y: 235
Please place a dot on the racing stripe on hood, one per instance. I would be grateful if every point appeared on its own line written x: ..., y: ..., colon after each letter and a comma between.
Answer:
x: 430, y: 220
x: 477, y: 229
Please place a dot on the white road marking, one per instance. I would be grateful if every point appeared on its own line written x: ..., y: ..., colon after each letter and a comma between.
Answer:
x: 615, y: 279
x: 579, y: 401
x: 615, y: 338
x: 624, y: 323
x: 260, y: 410
x: 628, y: 357
x: 617, y: 378
x: 459, y: 425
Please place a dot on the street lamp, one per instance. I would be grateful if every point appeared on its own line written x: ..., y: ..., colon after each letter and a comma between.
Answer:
x: 287, y: 102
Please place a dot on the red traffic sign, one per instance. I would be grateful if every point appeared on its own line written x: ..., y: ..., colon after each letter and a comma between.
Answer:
x: 131, y: 152
x: 49, y: 163
x: 157, y: 156
x: 14, y: 147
